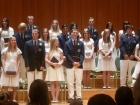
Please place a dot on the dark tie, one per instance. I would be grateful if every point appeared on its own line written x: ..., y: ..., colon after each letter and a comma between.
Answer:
x: 90, y: 31
x: 129, y: 38
x: 21, y: 38
x: 30, y: 27
x: 74, y: 43
x: 35, y: 45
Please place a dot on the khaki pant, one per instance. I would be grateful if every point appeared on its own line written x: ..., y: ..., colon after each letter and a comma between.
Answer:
x: 78, y: 73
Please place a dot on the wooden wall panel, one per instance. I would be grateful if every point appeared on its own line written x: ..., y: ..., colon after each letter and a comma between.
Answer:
x: 56, y: 9
x: 34, y: 10
x: 75, y: 12
x: 64, y: 12
x: 45, y: 15
x: 139, y: 14
x: 88, y: 10
x: 26, y: 10
x: 67, y: 11
x: 5, y: 11
x: 16, y: 14
x: 112, y: 15
x: 102, y: 15
x: 130, y: 12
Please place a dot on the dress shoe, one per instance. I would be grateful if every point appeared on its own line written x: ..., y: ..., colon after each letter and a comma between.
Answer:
x: 70, y: 100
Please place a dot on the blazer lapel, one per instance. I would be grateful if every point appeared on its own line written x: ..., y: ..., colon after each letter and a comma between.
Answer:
x: 31, y: 42
x: 37, y: 46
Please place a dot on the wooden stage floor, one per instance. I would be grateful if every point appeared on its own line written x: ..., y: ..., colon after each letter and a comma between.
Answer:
x: 87, y: 93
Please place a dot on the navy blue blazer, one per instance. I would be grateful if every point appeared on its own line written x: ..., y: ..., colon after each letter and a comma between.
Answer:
x: 70, y: 50
x: 29, y: 31
x: 95, y: 37
x: 126, y: 45
x: 21, y: 43
x: 34, y: 59
x: 62, y: 39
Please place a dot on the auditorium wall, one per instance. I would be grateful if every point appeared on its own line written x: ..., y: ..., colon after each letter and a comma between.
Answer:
x: 67, y: 11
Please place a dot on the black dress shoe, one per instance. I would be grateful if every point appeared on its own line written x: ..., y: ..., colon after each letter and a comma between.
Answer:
x: 79, y: 99
x: 70, y: 100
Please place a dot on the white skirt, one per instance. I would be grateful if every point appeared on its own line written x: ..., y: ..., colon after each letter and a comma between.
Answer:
x: 55, y: 74
x: 88, y: 64
x: 106, y: 65
x: 136, y: 71
x: 9, y: 80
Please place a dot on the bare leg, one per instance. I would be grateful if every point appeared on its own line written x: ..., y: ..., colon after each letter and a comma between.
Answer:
x: 52, y: 88
x: 57, y: 89
x: 108, y: 77
x: 104, y: 78
x: 84, y: 78
x: 14, y: 93
x: 5, y: 88
x: 88, y: 77
x: 44, y: 75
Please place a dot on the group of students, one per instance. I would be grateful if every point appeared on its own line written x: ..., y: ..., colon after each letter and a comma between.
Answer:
x: 46, y: 56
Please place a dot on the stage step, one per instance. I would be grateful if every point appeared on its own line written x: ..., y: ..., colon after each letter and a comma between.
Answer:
x: 87, y: 93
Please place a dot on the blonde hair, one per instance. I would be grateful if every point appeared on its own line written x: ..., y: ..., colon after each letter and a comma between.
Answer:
x: 52, y: 43
x: 30, y: 17
x: 58, y: 28
x: 91, y: 18
x: 22, y: 26
x: 9, y: 45
x: 86, y: 30
x: 108, y: 40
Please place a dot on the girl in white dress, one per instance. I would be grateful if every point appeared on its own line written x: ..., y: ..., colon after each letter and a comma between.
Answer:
x: 112, y: 36
x: 137, y: 56
x: 54, y: 70
x: 46, y: 39
x: 6, y: 31
x: 55, y: 30
x: 106, y: 58
x: 11, y: 62
x: 1, y: 48
x: 88, y: 63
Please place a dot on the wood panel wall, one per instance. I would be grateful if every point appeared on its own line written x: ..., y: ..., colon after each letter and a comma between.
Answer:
x: 67, y: 11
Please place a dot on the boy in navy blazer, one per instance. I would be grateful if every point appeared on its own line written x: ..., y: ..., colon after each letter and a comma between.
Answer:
x: 93, y: 34
x: 34, y: 53
x: 128, y: 43
x: 31, y: 26
x: 21, y: 39
x: 74, y: 48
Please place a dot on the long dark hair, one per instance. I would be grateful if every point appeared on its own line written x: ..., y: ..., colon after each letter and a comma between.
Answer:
x: 38, y: 93
x: 6, y: 20
x: 48, y: 37
x: 107, y: 27
x: 72, y: 25
x: 125, y: 23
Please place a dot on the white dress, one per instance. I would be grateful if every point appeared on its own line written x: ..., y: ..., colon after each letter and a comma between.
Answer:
x: 10, y: 65
x: 7, y: 33
x: 47, y: 46
x: 106, y: 64
x: 1, y: 44
x: 137, y: 67
x: 112, y: 38
x: 55, y: 74
x: 88, y: 64
x: 121, y: 32
x: 54, y: 34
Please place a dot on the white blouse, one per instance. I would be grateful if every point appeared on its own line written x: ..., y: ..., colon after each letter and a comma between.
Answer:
x: 7, y: 33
